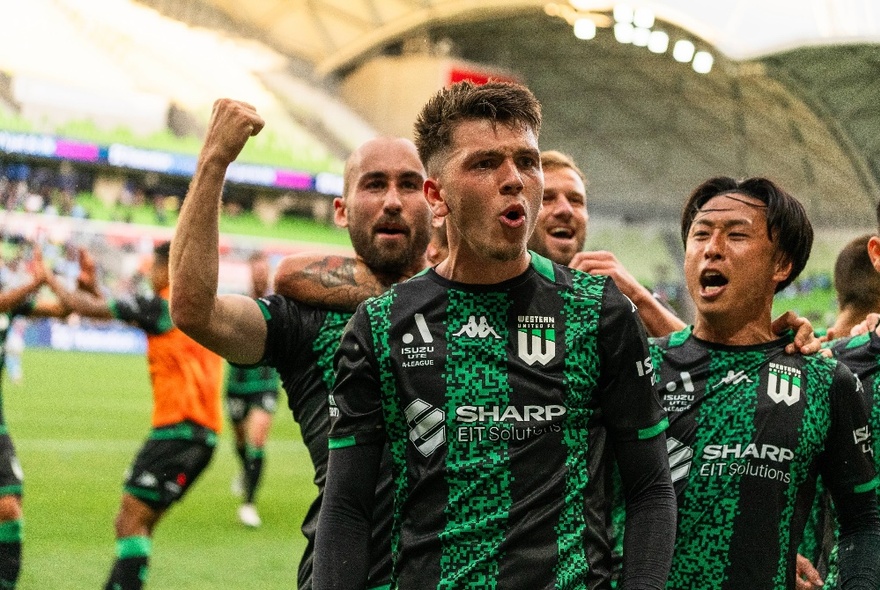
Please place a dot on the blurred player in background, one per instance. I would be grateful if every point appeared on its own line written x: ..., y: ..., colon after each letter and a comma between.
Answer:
x: 16, y: 302
x: 187, y: 417
x: 251, y: 399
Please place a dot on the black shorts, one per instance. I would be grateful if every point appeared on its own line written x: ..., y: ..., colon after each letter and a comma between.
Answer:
x: 239, y: 405
x: 11, y: 475
x: 163, y: 470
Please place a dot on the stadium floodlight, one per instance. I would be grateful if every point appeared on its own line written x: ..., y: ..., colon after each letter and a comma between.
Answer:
x: 658, y: 42
x: 584, y: 28
x: 683, y: 51
x: 641, y: 36
x: 623, y: 13
x: 703, y: 61
x: 643, y: 17
x: 623, y: 32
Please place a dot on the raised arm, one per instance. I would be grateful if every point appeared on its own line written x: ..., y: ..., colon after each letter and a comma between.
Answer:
x: 12, y: 298
x: 658, y: 320
x: 330, y: 282
x: 231, y: 325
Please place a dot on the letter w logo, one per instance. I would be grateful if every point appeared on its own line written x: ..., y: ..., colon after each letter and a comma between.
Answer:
x: 535, y: 347
x: 782, y: 387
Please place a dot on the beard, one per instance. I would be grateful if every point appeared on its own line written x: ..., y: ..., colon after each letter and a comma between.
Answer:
x: 390, y: 258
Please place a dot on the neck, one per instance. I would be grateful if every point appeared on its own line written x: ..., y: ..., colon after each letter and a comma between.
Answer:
x: 847, y: 319
x: 460, y: 269
x: 734, y: 331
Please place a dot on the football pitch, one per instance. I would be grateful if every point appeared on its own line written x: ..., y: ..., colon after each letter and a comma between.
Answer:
x: 77, y: 420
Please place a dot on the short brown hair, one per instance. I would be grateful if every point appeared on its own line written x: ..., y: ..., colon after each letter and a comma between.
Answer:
x: 856, y: 281
x: 500, y: 102
x: 551, y: 159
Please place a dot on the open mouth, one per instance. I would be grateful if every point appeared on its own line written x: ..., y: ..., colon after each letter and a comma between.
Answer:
x: 390, y: 229
x: 712, y: 282
x: 514, y: 216
x: 563, y: 233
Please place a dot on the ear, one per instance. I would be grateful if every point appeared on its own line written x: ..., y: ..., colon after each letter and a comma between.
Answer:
x: 783, y: 269
x: 434, y: 196
x: 340, y: 214
x: 874, y: 252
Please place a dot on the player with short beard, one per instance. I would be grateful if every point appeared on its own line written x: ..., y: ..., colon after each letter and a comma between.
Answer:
x: 383, y: 208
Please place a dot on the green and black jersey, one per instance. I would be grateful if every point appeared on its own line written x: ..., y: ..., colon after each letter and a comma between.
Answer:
x: 862, y: 355
x: 751, y: 427
x: 490, y: 397
x: 300, y: 344
x: 25, y: 308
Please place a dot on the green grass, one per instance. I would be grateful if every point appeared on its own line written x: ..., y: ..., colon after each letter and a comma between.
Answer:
x: 77, y: 421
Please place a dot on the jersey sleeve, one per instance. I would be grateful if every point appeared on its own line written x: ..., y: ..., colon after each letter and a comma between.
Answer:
x: 284, y: 329
x: 151, y: 314
x: 356, y: 415
x: 630, y: 406
x: 847, y: 464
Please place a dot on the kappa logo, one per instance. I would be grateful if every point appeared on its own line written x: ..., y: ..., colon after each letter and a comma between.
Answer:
x: 784, y: 384
x: 734, y: 378
x: 680, y: 458
x: 478, y: 329
x: 427, y: 426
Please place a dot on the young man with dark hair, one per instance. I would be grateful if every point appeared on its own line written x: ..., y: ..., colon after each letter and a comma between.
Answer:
x: 251, y: 398
x: 186, y: 420
x: 751, y: 426
x: 388, y: 221
x: 487, y: 376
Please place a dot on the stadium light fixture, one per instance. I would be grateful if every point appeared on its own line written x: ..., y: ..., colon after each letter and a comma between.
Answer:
x: 623, y: 32
x: 658, y: 42
x: 703, y: 61
x: 641, y: 37
x: 584, y: 28
x: 623, y: 13
x: 643, y: 17
x: 683, y: 51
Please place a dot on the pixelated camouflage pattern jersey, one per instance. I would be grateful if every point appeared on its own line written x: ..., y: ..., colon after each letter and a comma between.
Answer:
x: 6, y: 318
x: 490, y: 395
x: 750, y: 429
x: 862, y: 355
x: 300, y: 344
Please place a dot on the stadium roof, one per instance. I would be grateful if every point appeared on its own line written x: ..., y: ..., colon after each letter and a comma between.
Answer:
x: 792, y: 92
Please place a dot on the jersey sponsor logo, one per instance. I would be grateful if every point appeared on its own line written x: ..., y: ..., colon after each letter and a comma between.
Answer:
x: 536, y: 338
x: 427, y: 428
x: 680, y: 458
x: 675, y: 402
x: 746, y: 460
x: 417, y: 354
x: 477, y: 328
x: 770, y: 452
x: 506, y: 423
x: 784, y: 384
x: 862, y: 438
x: 469, y: 414
x: 334, y: 409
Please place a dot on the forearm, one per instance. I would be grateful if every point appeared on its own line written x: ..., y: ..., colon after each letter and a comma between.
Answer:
x: 342, y: 545
x: 659, y: 321
x: 649, y: 534
x: 11, y: 298
x: 331, y: 282
x: 194, y: 259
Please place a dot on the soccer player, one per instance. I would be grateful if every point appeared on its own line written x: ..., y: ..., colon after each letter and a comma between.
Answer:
x: 251, y: 399
x: 487, y: 375
x: 15, y: 302
x: 389, y: 223
x: 857, y: 285
x: 752, y: 426
x: 187, y: 417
